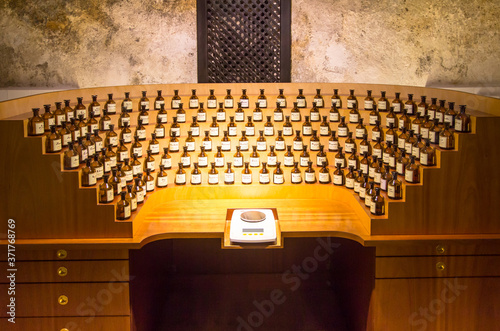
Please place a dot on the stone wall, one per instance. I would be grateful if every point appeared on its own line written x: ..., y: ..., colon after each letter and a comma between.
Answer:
x: 85, y: 43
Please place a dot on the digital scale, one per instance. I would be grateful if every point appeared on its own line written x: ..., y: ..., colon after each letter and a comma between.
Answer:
x: 253, y: 226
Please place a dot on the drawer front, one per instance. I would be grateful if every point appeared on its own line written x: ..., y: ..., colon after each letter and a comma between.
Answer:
x: 121, y: 323
x: 65, y: 253
x: 68, y: 299
x: 429, y: 248
x: 437, y: 266
x: 69, y: 271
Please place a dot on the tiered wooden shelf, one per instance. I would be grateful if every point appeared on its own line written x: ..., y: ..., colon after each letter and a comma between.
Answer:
x: 460, y: 188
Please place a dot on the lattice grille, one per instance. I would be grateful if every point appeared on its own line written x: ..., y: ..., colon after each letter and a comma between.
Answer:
x: 243, y: 40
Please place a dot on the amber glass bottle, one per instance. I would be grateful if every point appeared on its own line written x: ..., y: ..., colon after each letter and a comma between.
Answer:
x: 36, y: 126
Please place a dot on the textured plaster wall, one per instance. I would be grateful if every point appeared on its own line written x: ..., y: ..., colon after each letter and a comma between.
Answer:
x: 84, y: 43
x: 410, y: 42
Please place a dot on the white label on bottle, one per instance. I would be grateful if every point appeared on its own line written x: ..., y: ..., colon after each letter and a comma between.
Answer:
x: 196, y: 179
x: 401, y: 123
x: 124, y: 121
x: 160, y: 132
x: 303, y: 161
x: 281, y: 101
x: 301, y: 103
x: 150, y: 165
x: 107, y: 166
x: 109, y: 195
x: 180, y: 178
x: 287, y: 130
x: 84, y: 130
x: 449, y: 119
x: 181, y: 117
x: 244, y: 103
x: 202, y: 116
x: 320, y: 160
x: 296, y: 178
x: 264, y: 178
x: 177, y: 132
x: 324, y: 177
x: 229, y: 177
x: 377, y: 152
x: 389, y: 120
x: 350, y: 147
x: 195, y: 131
x: 137, y: 150
x: 415, y: 152
x: 229, y: 103
x: 66, y: 139
x: 278, y: 116
x: 392, y: 161
x: 98, y: 146
x: 373, y: 119
x: 310, y: 176
x: 439, y: 116
x: 307, y: 130
x: 408, y: 147
x: 415, y: 128
x: 212, y: 103
x: 139, y: 194
x: 401, y: 143
x: 409, y: 109
x: 351, y: 103
x: 268, y: 131
x: 176, y: 103
x: 409, y: 175
x: 397, y: 107
x: 158, y: 104
x: 324, y: 130
x: 250, y: 130
x: 349, y: 182
x: 400, y: 168
x: 239, y: 116
x: 127, y: 105
x: 257, y: 116
x: 362, y: 192
x: 155, y: 148
x: 360, y: 133
x: 145, y: 104
x: 221, y: 116
x: 96, y: 110
x: 386, y: 158
x: 443, y: 142
x: 238, y: 161
x: 357, y: 186
x: 375, y: 135
x: 319, y: 102
x: 219, y: 161
x: 162, y: 181
x: 377, y: 176
x: 368, y: 104
x: 297, y: 145
x: 295, y: 116
x: 278, y: 179
x: 243, y: 145
x: 202, y: 161
x: 342, y: 131
x: 174, y: 146
x: 314, y: 115
x: 60, y: 119
x: 262, y: 103
x: 82, y: 112
x: 336, y: 102
x: 129, y: 176
x: 424, y: 159
x: 214, y: 131
x: 458, y: 124
x: 213, y: 178
x: 334, y: 117
x: 136, y: 169
x: 261, y: 145
x: 333, y: 145
x: 145, y: 119
x: 434, y: 137
x: 127, y: 137
x: 122, y: 156
x: 56, y: 145
x: 150, y: 186
x: 166, y: 162
x: 431, y: 113
x: 207, y: 144
x: 254, y: 161
x: 271, y: 160
x: 225, y: 145
x: 314, y: 145
x: 353, y: 118
x: 191, y: 146
x: 194, y: 103
x: 280, y: 145
x: 391, y: 192
x: 74, y: 161
x: 288, y: 161
x: 99, y: 172
x: 141, y: 134
x: 338, y: 179
x: 111, y: 107
x: 341, y: 161
x: 105, y: 125
x: 352, y: 163
x: 246, y: 178
x: 84, y: 155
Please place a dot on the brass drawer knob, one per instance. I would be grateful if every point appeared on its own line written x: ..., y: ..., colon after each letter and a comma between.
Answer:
x: 63, y: 300
x: 64, y: 329
x: 62, y: 271
x: 61, y: 254
x: 440, y: 266
x: 440, y: 249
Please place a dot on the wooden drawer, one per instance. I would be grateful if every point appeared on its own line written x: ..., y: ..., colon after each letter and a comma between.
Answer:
x: 65, y: 253
x: 437, y: 266
x: 429, y: 248
x: 69, y: 271
x: 83, y: 299
x: 121, y: 323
